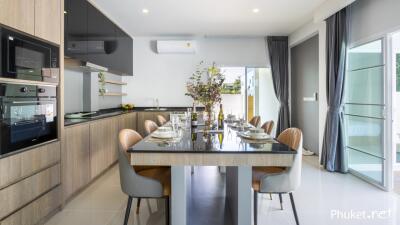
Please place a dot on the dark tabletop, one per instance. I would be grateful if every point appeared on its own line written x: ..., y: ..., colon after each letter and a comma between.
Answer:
x: 225, y: 142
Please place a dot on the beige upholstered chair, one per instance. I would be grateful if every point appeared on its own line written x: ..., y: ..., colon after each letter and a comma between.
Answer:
x: 283, y: 182
x: 161, y: 120
x: 149, y: 127
x: 255, y: 121
x: 268, y: 126
x: 127, y: 139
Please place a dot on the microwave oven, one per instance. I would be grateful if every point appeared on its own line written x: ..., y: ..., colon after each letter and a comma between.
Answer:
x: 27, y: 58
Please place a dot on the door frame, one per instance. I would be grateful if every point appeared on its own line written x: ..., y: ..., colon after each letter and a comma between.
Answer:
x: 388, y: 124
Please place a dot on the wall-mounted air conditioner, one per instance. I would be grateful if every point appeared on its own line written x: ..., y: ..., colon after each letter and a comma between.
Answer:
x: 176, y: 47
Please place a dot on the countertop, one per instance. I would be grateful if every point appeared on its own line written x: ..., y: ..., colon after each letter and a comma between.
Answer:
x: 105, y: 113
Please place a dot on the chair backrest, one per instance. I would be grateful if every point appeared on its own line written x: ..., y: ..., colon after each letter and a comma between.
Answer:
x: 268, y: 126
x: 161, y: 120
x: 293, y: 137
x: 127, y: 138
x: 149, y: 127
x: 133, y: 184
x: 255, y: 121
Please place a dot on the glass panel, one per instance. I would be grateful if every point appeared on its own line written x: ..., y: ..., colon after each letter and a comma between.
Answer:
x: 364, y: 120
x: 365, y: 86
x: 364, y: 110
x: 367, y: 165
x: 366, y: 56
x: 365, y: 134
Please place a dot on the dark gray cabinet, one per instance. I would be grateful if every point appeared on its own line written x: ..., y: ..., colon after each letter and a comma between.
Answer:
x: 90, y: 36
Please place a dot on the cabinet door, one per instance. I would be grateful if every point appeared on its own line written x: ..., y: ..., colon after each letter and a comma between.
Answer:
x: 48, y: 20
x: 35, y: 211
x: 18, y: 14
x: 102, y: 44
x: 124, y: 53
x: 112, y: 151
x: 75, y: 26
x: 76, y: 167
x: 128, y: 121
x: 103, y: 144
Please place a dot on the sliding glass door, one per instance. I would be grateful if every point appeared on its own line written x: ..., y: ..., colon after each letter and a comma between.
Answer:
x: 365, y: 112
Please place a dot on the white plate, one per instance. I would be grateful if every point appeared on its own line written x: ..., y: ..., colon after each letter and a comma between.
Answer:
x: 163, y: 135
x: 258, y: 137
x: 235, y: 125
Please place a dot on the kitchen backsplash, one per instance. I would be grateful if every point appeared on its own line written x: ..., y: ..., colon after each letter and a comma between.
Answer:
x: 81, y: 91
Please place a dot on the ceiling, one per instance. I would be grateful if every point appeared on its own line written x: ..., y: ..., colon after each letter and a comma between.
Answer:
x: 209, y: 17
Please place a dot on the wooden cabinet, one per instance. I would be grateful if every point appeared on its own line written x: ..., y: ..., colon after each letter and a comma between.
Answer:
x: 27, y: 163
x: 34, y: 212
x: 17, y: 195
x: 103, y: 144
x: 76, y: 161
x: 48, y: 20
x: 18, y: 14
x: 128, y: 121
x: 41, y: 18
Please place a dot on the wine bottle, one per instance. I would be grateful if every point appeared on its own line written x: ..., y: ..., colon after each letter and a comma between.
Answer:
x: 194, y: 116
x: 221, y: 118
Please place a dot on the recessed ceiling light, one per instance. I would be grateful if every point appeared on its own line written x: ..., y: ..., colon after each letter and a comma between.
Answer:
x: 145, y: 11
x: 256, y: 10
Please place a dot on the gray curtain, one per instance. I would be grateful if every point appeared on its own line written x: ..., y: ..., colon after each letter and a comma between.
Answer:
x: 334, y: 156
x: 279, y: 56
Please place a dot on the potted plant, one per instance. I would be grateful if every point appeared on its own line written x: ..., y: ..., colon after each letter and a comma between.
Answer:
x: 204, y: 86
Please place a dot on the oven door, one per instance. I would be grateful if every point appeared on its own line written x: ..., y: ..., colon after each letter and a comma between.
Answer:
x: 26, y: 122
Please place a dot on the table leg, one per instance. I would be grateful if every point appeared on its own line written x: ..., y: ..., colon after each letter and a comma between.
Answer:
x: 180, y: 195
x: 238, y: 194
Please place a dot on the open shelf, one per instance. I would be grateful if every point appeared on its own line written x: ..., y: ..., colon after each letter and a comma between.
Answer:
x: 113, y: 94
x: 114, y: 82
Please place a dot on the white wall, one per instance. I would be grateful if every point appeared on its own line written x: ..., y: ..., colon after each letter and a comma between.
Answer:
x: 372, y: 18
x: 164, y: 76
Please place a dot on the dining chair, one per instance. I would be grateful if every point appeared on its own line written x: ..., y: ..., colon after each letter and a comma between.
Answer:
x: 161, y: 120
x: 255, y: 121
x: 149, y: 127
x: 282, y: 182
x: 141, y: 181
x: 268, y: 126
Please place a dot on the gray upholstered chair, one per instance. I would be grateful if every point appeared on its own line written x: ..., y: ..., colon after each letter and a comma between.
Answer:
x: 139, y: 181
x: 149, y: 127
x: 281, y: 182
x: 255, y: 121
x: 268, y: 126
x: 161, y: 120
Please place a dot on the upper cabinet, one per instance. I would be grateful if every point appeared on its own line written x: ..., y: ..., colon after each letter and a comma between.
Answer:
x: 90, y: 36
x: 75, y: 29
x: 18, y: 14
x: 41, y: 18
x: 48, y: 20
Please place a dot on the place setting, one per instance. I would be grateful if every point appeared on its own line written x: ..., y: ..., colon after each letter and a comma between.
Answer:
x: 255, y: 135
x: 165, y: 134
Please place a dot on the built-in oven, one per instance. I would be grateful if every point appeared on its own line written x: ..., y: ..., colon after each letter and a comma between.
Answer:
x: 28, y: 116
x: 26, y: 58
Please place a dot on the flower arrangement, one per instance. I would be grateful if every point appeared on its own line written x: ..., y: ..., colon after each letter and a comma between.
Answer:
x: 205, y: 86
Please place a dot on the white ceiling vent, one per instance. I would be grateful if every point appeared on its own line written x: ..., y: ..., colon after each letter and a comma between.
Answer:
x: 176, y: 47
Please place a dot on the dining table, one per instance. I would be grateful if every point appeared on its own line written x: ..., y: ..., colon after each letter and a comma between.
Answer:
x: 226, y: 148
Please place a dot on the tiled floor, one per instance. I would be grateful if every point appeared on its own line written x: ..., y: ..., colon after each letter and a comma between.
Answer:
x: 323, y: 198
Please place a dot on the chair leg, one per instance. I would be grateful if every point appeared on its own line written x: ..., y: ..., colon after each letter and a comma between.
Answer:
x: 270, y: 196
x: 128, y: 210
x: 167, y: 202
x: 280, y: 200
x: 138, y: 205
x: 294, y: 208
x: 255, y: 207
